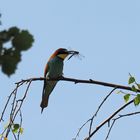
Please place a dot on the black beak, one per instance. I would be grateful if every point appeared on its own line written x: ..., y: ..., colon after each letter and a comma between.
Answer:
x: 72, y: 53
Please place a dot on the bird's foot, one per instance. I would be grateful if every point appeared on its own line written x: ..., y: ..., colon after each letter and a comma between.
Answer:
x: 60, y: 77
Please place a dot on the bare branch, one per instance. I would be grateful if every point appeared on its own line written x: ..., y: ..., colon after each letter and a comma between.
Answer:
x: 92, y: 118
x: 99, y: 109
x: 90, y: 81
x: 17, y: 104
x: 129, y: 114
x: 109, y: 118
x: 19, y: 131
x: 81, y: 129
x: 119, y: 117
x: 15, y: 110
x: 22, y: 100
x: 110, y: 129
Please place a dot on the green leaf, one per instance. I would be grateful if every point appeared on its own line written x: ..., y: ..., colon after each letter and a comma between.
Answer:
x: 131, y: 80
x: 127, y: 97
x: 9, y: 65
x: 134, y: 88
x: 13, y: 31
x: 9, y: 61
x: 15, y: 128
x: 23, y: 40
x: 137, y: 100
x: 4, y: 36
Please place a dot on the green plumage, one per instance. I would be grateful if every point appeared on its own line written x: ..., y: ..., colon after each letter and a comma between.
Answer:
x: 55, y: 69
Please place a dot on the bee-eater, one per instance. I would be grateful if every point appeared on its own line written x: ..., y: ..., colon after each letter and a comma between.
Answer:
x: 53, y: 69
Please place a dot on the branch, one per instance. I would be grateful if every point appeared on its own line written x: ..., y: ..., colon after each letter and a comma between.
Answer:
x: 108, y: 119
x: 19, y: 131
x: 99, y: 109
x: 17, y: 103
x: 119, y: 117
x: 90, y: 81
x: 15, y: 111
x: 95, y: 114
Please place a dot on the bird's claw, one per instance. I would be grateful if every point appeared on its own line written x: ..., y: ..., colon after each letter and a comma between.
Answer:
x: 61, y: 77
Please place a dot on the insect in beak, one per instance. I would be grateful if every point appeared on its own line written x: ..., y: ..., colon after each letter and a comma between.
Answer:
x: 72, y: 53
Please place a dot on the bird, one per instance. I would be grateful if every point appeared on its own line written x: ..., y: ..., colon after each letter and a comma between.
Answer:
x: 53, y: 69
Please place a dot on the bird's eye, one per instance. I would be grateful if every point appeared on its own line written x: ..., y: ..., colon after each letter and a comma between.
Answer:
x: 64, y: 51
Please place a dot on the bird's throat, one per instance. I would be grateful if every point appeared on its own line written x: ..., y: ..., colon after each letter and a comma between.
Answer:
x: 62, y: 56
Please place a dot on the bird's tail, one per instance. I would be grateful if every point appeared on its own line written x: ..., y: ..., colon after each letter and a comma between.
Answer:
x: 42, y: 110
x: 44, y: 102
x: 47, y: 89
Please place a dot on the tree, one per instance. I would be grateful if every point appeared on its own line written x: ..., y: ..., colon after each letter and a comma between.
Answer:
x: 17, y: 103
x: 19, y: 40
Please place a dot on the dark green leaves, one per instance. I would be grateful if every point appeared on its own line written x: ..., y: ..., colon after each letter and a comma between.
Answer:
x: 21, y: 40
x: 10, y: 59
x: 133, y: 83
x: 15, y: 128
x: 13, y: 31
x: 131, y: 80
x: 135, y: 88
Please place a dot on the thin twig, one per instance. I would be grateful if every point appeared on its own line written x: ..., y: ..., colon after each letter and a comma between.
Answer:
x: 90, y: 128
x: 12, y: 111
x: 109, y: 118
x: 22, y: 100
x: 15, y: 110
x: 19, y: 131
x: 119, y: 117
x: 7, y: 102
x: 110, y: 129
x: 129, y: 114
x: 14, y: 135
x: 81, y: 129
x: 1, y: 118
x: 92, y: 118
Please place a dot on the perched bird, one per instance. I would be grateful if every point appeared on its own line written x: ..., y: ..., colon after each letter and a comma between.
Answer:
x: 53, y: 69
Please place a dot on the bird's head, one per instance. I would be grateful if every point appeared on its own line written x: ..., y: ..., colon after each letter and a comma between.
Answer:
x: 63, y: 53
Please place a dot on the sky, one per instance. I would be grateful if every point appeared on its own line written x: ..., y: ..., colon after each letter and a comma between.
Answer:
x: 106, y: 33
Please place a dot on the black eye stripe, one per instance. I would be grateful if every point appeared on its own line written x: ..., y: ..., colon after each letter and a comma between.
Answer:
x: 62, y: 52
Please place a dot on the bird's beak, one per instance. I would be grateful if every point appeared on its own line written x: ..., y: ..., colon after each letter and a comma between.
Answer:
x: 72, y: 53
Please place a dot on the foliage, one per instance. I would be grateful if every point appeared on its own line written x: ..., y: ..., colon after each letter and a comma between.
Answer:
x: 137, y: 100
x: 135, y: 87
x: 131, y: 80
x: 127, y: 97
x: 0, y: 20
x: 20, y: 40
